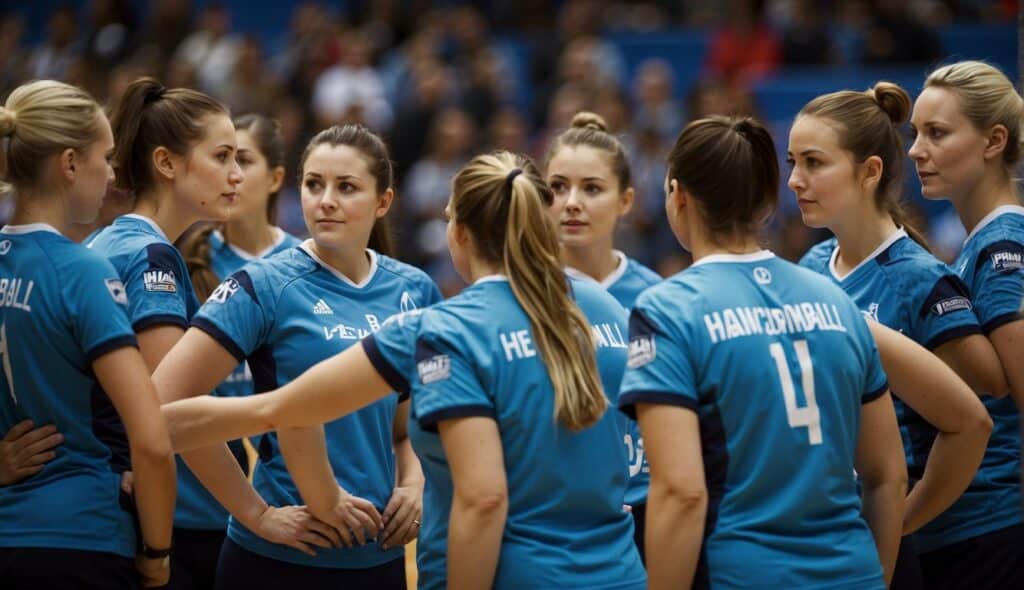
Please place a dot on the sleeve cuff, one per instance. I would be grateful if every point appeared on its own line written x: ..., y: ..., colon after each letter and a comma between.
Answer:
x: 429, y: 421
x: 385, y: 368
x: 873, y: 395
x: 628, y: 401
x: 110, y: 346
x: 952, y: 334
x: 160, y: 320
x: 220, y: 336
x: 999, y: 321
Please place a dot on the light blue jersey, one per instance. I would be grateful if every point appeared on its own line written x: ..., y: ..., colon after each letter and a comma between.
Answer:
x: 285, y: 314
x: 625, y: 284
x: 474, y: 355
x: 902, y: 286
x: 160, y: 294
x: 61, y: 308
x: 225, y: 260
x: 992, y: 265
x: 776, y: 362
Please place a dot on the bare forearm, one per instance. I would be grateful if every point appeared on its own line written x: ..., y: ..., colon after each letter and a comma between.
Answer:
x: 305, y: 453
x: 204, y: 421
x: 673, y: 539
x: 155, y: 490
x: 410, y: 472
x: 883, y: 507
x: 474, y: 543
x: 952, y: 463
x: 219, y: 472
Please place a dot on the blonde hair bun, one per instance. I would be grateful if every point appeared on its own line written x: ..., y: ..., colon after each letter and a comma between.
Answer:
x: 588, y: 120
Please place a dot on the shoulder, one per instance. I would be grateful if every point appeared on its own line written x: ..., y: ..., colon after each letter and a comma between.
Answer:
x: 1000, y: 244
x: 275, y: 272
x: 911, y: 268
x: 642, y: 273
x: 404, y: 274
x: 817, y: 258
x: 592, y: 297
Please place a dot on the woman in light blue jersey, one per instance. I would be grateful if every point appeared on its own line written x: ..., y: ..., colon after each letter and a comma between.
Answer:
x: 588, y: 172
x: 967, y: 148
x: 847, y: 161
x: 525, y: 467
x: 65, y: 346
x: 176, y: 152
x: 284, y: 314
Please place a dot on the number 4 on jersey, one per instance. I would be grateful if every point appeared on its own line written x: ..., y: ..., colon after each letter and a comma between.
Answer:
x: 805, y: 416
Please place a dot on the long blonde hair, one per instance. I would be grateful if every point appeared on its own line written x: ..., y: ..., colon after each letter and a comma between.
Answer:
x: 506, y: 215
x: 987, y: 98
x: 40, y: 119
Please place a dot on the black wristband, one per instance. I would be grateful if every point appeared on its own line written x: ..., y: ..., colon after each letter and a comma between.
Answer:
x: 151, y: 553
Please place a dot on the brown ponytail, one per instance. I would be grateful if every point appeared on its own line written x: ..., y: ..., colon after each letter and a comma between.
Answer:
x: 195, y: 248
x: 502, y: 200
x: 867, y: 124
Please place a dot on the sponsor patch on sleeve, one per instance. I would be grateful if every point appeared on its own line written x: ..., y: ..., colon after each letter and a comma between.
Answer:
x: 1007, y: 260
x: 116, y: 288
x: 642, y: 351
x: 224, y: 291
x: 159, y: 281
x: 950, y: 305
x: 435, y: 368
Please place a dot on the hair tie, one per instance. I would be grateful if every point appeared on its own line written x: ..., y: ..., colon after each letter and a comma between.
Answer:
x: 154, y: 94
x: 511, y: 177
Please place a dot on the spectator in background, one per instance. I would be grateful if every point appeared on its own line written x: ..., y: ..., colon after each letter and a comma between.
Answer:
x: 307, y: 48
x: 433, y: 88
x: 893, y: 35
x: 426, y: 192
x: 212, y: 50
x: 111, y: 36
x: 52, y: 59
x: 656, y: 108
x: 745, y: 47
x: 249, y: 89
x: 351, y: 91
x: 806, y: 39
x: 170, y: 22
x: 508, y: 131
x: 714, y: 96
x: 13, y: 57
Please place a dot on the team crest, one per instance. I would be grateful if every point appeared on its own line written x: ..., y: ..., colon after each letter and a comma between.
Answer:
x: 160, y: 281
x: 5, y: 247
x: 762, y: 275
x: 435, y: 368
x: 116, y: 288
x: 224, y: 291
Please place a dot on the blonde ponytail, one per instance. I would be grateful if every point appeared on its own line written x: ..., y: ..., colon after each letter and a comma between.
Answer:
x: 502, y: 200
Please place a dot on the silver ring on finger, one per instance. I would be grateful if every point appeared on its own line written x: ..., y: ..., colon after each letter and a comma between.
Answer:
x: 416, y: 522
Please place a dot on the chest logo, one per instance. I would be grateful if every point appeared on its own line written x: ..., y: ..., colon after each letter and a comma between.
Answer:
x: 407, y: 304
x: 321, y: 308
x: 224, y: 291
x: 159, y: 281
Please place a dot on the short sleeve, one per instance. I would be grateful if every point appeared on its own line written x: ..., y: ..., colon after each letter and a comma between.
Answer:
x: 945, y: 313
x: 445, y: 385
x: 234, y: 317
x: 657, y: 371
x: 157, y: 291
x: 876, y: 382
x: 392, y: 351
x: 97, y: 304
x: 998, y: 285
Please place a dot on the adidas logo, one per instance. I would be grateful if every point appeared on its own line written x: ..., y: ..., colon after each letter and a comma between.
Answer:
x: 321, y: 308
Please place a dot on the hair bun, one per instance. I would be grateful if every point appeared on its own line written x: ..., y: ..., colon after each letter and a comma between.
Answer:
x: 7, y: 119
x: 893, y: 100
x: 588, y: 120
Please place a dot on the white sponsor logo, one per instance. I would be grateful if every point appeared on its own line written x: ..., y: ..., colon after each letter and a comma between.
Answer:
x: 321, y: 308
x: 436, y: 368
x: 872, y: 312
x: 642, y: 351
x: 161, y: 281
x: 762, y: 275
x: 116, y: 288
x: 5, y: 247
x: 1007, y: 261
x: 224, y: 291
x: 952, y: 304
x: 407, y: 304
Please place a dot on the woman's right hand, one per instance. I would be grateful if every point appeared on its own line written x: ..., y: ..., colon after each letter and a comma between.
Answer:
x: 354, y: 518
x: 24, y: 451
x: 296, y: 527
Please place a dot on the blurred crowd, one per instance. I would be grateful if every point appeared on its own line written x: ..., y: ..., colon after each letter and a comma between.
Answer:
x: 441, y: 81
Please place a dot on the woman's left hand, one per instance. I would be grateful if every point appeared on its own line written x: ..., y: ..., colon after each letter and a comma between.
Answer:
x: 402, y: 516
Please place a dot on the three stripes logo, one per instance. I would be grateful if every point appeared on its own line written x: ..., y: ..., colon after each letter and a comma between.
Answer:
x: 321, y: 308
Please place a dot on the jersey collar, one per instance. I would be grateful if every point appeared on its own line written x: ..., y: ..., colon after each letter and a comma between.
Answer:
x: 495, y: 278
x: 148, y: 222
x: 305, y: 247
x: 892, y: 239
x: 27, y: 228
x: 279, y: 237
x: 1001, y: 210
x: 751, y: 257
x: 609, y: 280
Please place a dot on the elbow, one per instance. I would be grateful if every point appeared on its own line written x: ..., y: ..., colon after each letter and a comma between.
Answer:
x: 153, y: 450
x: 679, y: 494
x: 893, y: 480
x: 485, y: 502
